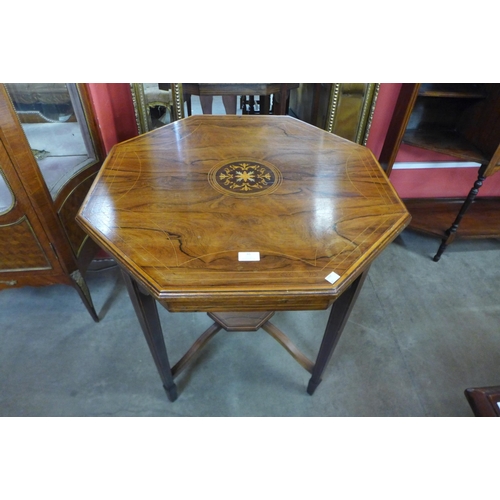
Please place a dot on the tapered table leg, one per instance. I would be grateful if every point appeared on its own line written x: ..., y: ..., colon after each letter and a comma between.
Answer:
x: 147, y: 313
x: 339, y: 314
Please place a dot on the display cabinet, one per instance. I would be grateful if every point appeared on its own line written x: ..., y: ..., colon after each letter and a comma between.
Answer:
x: 50, y: 152
x: 462, y: 121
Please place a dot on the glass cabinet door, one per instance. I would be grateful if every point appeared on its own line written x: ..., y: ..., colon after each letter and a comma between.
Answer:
x: 54, y: 123
x: 6, y: 195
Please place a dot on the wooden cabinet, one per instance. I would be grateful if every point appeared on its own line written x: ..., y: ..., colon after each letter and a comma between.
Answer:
x: 50, y: 153
x: 460, y: 120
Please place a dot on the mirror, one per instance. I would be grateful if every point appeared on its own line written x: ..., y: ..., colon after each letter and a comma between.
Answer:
x: 53, y: 120
x: 153, y: 105
x: 345, y: 109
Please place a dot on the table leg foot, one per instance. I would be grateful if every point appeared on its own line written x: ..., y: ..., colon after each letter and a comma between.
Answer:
x: 312, y: 386
x: 171, y: 392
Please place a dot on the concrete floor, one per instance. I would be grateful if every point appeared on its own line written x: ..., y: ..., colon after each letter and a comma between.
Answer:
x: 420, y: 333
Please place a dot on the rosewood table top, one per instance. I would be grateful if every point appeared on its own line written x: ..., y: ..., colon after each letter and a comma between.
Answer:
x: 242, y: 213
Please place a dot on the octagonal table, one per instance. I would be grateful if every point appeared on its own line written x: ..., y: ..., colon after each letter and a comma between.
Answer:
x: 241, y: 216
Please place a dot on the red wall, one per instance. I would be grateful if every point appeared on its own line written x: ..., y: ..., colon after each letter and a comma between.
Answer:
x: 114, y: 111
x: 422, y: 183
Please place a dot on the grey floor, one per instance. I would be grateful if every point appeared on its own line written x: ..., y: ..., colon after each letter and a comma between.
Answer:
x: 420, y: 333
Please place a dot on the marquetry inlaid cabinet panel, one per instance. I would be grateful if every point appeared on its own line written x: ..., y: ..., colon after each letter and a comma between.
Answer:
x: 50, y: 153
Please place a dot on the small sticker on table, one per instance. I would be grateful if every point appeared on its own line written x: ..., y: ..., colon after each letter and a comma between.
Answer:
x: 248, y: 256
x: 332, y: 277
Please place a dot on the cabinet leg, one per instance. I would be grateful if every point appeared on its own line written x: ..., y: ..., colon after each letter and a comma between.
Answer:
x: 147, y: 314
x: 339, y: 313
x: 81, y: 287
x: 452, y: 231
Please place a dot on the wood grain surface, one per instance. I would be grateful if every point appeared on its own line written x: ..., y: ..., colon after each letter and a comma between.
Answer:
x: 309, y: 202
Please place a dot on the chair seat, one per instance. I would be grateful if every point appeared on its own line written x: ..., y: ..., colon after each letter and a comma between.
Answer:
x: 156, y: 97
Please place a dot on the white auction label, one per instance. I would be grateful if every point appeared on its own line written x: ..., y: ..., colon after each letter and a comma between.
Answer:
x: 248, y: 256
x: 332, y: 277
